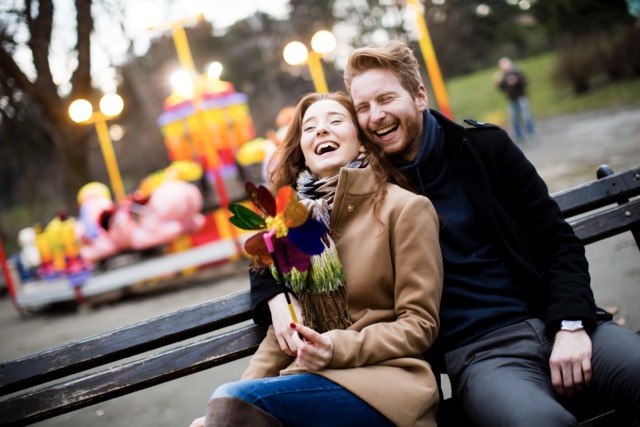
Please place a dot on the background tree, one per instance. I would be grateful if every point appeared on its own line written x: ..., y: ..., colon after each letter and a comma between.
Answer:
x: 44, y: 158
x: 68, y: 141
x: 566, y: 20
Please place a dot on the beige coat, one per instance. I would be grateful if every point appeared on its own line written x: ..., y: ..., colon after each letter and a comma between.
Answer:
x: 394, y: 284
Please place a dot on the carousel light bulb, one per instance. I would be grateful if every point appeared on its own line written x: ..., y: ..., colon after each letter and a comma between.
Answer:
x: 182, y: 82
x: 214, y: 71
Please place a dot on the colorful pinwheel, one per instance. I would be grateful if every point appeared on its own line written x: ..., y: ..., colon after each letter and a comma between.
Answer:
x: 289, y: 235
x: 286, y: 223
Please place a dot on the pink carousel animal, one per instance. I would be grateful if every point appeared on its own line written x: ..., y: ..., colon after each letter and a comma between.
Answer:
x: 173, y: 209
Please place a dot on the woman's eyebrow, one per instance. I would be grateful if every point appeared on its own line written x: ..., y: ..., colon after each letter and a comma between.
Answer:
x: 308, y: 119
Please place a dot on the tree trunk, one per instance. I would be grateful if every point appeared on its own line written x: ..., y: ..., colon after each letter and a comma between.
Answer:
x: 71, y: 143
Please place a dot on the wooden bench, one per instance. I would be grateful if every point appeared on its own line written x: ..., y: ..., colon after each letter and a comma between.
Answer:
x: 93, y: 370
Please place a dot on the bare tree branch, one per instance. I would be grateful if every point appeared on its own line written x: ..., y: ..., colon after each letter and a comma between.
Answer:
x: 12, y: 70
x: 81, y: 79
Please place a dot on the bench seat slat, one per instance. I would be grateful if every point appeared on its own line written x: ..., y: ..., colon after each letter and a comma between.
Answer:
x: 98, y: 350
x: 133, y: 376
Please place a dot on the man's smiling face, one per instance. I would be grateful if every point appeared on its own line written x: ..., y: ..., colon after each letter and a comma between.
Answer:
x: 387, y: 112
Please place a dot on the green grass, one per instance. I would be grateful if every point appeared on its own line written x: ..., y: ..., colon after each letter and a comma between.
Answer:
x: 475, y: 96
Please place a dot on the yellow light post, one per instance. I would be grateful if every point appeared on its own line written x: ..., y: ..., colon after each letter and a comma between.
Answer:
x: 111, y: 105
x: 296, y: 53
x: 429, y: 56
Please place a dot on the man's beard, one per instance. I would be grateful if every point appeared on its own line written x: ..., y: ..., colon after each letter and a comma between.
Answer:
x: 407, y: 150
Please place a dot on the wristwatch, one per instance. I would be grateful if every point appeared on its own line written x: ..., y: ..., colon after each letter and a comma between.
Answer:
x: 571, y: 325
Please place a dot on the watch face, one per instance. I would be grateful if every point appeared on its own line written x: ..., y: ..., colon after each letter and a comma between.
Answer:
x: 571, y: 325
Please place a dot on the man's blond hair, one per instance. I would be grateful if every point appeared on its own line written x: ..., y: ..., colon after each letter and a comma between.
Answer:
x: 395, y: 56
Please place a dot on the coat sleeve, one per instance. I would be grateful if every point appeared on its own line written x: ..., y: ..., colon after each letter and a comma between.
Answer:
x: 417, y: 291
x: 268, y: 360
x: 558, y: 252
x: 263, y: 288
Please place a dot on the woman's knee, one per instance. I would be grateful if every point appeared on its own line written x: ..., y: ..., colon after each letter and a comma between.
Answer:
x: 233, y: 389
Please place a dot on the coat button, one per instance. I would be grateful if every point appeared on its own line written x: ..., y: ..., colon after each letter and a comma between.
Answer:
x: 350, y: 208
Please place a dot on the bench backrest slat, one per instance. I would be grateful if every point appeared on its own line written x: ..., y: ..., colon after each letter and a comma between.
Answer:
x: 608, y: 190
x: 130, y: 377
x: 98, y: 350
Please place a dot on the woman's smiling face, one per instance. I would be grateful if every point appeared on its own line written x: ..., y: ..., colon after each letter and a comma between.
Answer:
x: 329, y: 138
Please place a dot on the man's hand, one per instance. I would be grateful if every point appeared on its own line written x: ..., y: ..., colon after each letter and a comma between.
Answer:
x: 281, y: 319
x: 314, y: 350
x: 570, y: 362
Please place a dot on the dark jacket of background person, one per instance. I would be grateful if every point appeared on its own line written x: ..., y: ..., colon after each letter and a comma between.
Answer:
x: 513, y: 84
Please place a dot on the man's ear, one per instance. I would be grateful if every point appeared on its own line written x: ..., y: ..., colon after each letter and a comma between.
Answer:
x: 421, y: 100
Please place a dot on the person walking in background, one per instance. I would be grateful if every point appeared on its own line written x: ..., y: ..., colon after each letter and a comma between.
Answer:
x: 514, y: 84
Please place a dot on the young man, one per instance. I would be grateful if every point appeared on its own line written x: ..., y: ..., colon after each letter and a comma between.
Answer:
x: 520, y: 334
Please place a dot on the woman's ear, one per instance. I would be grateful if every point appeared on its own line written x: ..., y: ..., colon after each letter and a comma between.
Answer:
x: 362, y: 149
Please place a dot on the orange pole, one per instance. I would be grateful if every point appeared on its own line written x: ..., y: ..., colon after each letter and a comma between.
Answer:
x: 7, y: 276
x: 186, y: 60
x: 429, y: 55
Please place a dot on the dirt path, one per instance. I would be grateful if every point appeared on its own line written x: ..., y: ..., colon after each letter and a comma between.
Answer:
x: 567, y: 152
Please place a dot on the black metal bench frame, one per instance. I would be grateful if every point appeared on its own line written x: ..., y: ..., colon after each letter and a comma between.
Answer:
x: 57, y: 381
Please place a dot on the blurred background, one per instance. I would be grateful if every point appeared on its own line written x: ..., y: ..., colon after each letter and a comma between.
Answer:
x: 577, y: 54
x: 203, y: 94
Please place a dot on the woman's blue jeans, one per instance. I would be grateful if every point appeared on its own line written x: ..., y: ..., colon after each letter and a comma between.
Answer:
x: 305, y: 400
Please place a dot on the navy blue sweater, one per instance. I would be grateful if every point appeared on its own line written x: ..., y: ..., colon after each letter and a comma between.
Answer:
x: 480, y: 293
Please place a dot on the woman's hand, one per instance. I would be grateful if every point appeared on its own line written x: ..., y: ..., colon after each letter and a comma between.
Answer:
x: 314, y: 350
x: 281, y: 319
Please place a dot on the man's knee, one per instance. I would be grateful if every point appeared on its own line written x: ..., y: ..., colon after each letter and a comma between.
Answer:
x: 553, y: 415
x: 492, y: 402
x: 525, y: 416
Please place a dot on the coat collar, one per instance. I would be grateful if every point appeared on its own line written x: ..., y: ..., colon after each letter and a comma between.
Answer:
x: 453, y: 133
x: 358, y: 182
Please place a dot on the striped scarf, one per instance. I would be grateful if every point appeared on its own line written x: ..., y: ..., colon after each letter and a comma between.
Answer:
x: 321, y: 289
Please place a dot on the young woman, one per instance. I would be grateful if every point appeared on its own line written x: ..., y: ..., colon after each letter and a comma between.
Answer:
x: 361, y: 362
